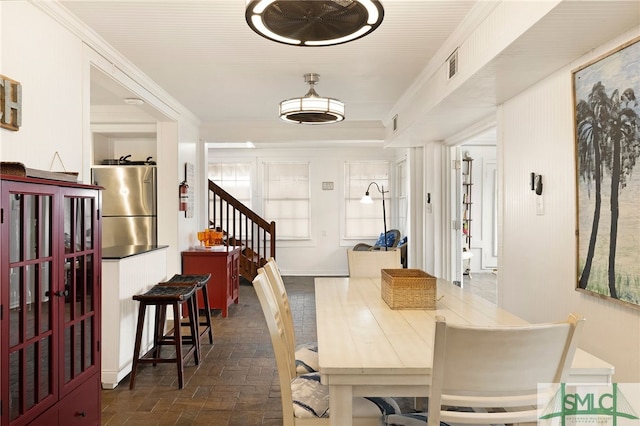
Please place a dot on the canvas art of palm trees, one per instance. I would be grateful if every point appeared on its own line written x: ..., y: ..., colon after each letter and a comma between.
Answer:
x: 607, y: 114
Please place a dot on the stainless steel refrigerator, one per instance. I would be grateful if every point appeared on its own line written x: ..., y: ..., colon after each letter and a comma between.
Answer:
x: 129, y: 211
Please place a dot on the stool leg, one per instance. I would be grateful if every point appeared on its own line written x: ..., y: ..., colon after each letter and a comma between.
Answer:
x: 177, y: 337
x: 194, y: 320
x: 207, y: 311
x: 158, y: 334
x: 136, y: 347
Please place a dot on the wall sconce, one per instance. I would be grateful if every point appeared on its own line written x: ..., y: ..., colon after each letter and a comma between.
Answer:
x: 536, y: 183
x: 367, y: 200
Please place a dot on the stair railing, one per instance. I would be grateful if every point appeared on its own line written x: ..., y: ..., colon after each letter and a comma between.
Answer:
x: 243, y: 227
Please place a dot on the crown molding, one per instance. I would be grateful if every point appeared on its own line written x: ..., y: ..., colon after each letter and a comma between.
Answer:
x: 153, y: 93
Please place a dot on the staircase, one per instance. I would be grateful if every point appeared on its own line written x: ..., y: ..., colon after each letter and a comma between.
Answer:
x: 242, y: 227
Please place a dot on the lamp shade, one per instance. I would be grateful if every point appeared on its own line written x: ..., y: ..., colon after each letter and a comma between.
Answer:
x: 366, y: 199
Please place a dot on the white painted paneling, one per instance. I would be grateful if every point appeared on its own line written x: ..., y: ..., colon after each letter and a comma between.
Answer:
x: 122, y: 279
x: 538, y: 271
x: 489, y: 218
x: 433, y: 236
x: 537, y: 138
x: 205, y: 55
x: 189, y: 144
x: 516, y: 45
x: 418, y: 209
x: 169, y: 217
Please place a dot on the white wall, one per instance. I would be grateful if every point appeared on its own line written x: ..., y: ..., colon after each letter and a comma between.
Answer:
x: 189, y: 151
x: 49, y: 54
x: 538, y: 268
x: 325, y: 253
x: 48, y: 64
x: 434, y: 237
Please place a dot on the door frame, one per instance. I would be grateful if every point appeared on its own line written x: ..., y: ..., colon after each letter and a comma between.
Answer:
x: 452, y: 190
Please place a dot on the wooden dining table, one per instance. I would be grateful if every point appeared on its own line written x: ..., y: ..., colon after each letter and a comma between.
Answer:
x: 366, y: 348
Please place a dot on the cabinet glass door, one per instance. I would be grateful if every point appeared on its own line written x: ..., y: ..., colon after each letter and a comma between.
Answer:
x: 26, y: 284
x: 79, y: 314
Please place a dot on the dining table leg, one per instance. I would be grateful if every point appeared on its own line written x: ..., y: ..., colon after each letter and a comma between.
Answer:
x: 341, y: 405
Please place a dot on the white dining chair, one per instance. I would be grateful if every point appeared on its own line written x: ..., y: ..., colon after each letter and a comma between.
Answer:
x: 494, y: 375
x: 306, y: 354
x: 367, y: 264
x: 305, y: 401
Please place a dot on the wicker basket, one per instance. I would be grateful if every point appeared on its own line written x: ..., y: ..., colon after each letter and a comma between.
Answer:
x: 408, y: 289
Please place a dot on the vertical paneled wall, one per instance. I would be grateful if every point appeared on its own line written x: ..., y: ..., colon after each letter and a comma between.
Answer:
x: 538, y: 270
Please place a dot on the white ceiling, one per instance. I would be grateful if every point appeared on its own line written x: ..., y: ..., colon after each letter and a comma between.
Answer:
x: 204, y: 54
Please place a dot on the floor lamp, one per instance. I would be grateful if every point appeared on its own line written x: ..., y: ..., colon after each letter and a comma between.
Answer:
x: 367, y: 200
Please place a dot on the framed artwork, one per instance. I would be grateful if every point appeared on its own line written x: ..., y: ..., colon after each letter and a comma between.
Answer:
x: 607, y: 136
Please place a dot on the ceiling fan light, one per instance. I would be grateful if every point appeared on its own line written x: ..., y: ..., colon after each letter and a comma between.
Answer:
x: 313, y: 22
x: 372, y: 10
x: 341, y: 40
x: 269, y: 34
x: 261, y: 6
x: 311, y: 108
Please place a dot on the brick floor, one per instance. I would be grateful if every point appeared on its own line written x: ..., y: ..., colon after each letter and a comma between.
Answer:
x: 235, y: 384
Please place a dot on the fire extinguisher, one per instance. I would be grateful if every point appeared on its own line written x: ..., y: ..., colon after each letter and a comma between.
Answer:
x: 184, y: 196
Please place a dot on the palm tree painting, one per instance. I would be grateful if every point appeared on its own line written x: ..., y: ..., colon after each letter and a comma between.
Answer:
x: 607, y: 120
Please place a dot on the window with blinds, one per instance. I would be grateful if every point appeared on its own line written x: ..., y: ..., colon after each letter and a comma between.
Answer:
x: 287, y: 198
x: 365, y: 220
x: 235, y: 178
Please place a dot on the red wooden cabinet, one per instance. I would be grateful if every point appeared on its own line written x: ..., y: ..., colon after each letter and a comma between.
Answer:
x: 224, y: 267
x: 50, y: 263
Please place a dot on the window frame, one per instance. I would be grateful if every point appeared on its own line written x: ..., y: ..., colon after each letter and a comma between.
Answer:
x: 267, y: 165
x: 251, y: 173
x: 353, y: 193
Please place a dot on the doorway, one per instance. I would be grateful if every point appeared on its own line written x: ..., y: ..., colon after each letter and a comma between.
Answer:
x: 474, y: 208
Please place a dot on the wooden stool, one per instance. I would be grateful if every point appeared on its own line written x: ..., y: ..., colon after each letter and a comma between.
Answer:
x: 161, y: 296
x: 201, y: 281
x: 191, y: 312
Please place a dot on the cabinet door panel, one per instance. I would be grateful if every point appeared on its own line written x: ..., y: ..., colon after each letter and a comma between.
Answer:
x: 29, y: 347
x: 79, y: 313
x: 82, y: 406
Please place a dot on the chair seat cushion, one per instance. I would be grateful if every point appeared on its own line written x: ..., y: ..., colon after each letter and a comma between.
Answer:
x: 307, y: 358
x: 391, y: 239
x: 311, y: 400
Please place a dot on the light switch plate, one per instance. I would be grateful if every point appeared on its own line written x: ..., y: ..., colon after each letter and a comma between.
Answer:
x: 539, y: 205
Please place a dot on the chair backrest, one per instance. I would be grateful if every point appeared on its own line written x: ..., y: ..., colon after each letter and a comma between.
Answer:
x: 367, y: 264
x: 280, y: 293
x: 284, y: 358
x: 497, y: 367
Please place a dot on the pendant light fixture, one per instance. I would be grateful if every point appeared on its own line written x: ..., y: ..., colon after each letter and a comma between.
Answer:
x: 312, y: 108
x: 313, y: 22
